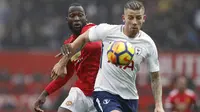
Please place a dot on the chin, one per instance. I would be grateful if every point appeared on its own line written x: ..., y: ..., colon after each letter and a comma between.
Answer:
x: 77, y: 32
x: 134, y: 30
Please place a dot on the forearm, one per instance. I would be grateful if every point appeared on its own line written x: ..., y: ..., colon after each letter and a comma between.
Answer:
x: 44, y: 93
x: 78, y: 44
x: 156, y: 86
x: 63, y: 61
x: 55, y: 85
x: 59, y: 82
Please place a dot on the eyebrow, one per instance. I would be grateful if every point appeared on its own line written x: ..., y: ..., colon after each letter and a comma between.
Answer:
x: 76, y: 12
x: 134, y: 15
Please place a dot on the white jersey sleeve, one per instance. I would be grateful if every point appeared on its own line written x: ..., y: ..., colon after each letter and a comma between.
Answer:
x: 99, y: 32
x: 152, y: 60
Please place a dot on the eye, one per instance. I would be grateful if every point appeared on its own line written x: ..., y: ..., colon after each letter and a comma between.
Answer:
x: 80, y: 15
x: 139, y: 17
x: 71, y: 15
x: 130, y: 17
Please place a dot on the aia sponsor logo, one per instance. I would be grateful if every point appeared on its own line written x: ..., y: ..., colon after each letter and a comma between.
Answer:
x: 130, y: 66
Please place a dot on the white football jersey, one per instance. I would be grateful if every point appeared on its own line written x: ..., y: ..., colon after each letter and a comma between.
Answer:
x: 120, y: 80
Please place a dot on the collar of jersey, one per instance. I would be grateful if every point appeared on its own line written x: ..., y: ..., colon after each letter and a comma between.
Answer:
x: 136, y: 36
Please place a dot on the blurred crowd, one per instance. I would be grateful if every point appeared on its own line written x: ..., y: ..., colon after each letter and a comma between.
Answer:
x: 40, y: 24
x: 19, y: 91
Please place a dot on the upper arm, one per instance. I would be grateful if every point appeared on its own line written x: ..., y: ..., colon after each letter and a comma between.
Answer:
x: 152, y: 60
x: 81, y: 40
x: 99, y: 32
x: 85, y: 36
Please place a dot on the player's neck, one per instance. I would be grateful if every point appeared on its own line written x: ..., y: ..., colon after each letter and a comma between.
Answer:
x: 181, y: 91
x: 129, y: 34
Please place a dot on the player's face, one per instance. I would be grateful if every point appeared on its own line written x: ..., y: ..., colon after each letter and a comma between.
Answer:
x: 76, y: 19
x: 134, y: 20
x: 181, y: 83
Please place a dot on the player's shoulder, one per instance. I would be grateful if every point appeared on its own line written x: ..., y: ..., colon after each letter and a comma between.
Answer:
x: 146, y: 37
x: 173, y: 93
x: 109, y: 27
x: 87, y: 26
x: 90, y: 24
x: 70, y: 39
x: 189, y: 92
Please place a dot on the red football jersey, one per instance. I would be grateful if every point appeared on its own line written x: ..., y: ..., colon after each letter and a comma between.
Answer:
x: 181, y: 102
x: 86, y: 66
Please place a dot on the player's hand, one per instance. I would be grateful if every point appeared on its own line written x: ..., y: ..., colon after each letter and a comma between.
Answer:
x: 159, y: 109
x: 39, y: 102
x: 58, y: 71
x: 64, y: 50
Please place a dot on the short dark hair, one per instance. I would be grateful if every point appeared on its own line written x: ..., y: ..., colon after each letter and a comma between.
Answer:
x: 134, y: 5
x: 75, y: 4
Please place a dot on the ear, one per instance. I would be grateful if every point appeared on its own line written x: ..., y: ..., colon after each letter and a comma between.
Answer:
x: 66, y: 18
x: 144, y: 18
x: 123, y: 18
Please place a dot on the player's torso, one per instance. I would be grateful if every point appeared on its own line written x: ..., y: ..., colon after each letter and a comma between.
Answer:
x: 89, y: 58
x: 86, y: 63
x: 141, y: 52
x: 183, y: 100
x: 122, y: 77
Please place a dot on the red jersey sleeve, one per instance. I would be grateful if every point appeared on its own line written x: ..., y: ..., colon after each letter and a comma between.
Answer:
x: 59, y: 82
x: 86, y: 27
x: 169, y: 100
x: 69, y: 40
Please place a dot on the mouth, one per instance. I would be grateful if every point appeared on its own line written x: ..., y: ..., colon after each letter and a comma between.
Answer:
x: 77, y: 25
x: 134, y: 28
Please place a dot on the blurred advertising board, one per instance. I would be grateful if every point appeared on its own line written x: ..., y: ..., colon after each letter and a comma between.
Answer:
x: 171, y: 64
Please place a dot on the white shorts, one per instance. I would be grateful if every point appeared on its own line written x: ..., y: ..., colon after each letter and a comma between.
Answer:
x: 78, y: 102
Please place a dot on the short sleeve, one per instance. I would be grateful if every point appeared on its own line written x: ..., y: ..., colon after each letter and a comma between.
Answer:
x: 99, y: 32
x: 152, y: 60
x: 168, y: 103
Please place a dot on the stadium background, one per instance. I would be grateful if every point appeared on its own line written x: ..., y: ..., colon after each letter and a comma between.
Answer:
x: 31, y: 32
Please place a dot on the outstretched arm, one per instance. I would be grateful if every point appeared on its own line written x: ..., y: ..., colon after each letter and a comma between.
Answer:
x: 52, y: 87
x: 71, y: 48
x: 80, y: 42
x: 157, y: 90
x: 96, y: 33
x: 68, y: 50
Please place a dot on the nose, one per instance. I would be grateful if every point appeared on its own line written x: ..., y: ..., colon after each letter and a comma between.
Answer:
x: 134, y: 21
x: 76, y: 18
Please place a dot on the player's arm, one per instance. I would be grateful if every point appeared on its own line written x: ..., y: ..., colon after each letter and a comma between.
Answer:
x: 168, y: 103
x: 156, y: 86
x: 70, y: 49
x: 52, y: 87
x: 95, y: 33
x: 78, y: 44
